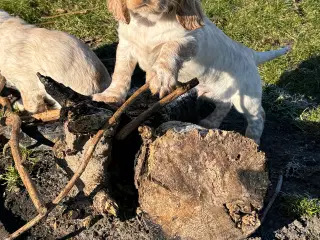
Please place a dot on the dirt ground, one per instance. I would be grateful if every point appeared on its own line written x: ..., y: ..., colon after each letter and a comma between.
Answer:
x: 282, y: 142
x: 289, y: 150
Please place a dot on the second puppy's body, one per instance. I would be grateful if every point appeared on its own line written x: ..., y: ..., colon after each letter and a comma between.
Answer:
x: 169, y: 52
x: 26, y: 50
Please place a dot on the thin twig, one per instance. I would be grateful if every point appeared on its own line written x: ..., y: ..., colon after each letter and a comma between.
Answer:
x: 14, y: 121
x: 126, y: 130
x: 48, y: 116
x: 94, y: 141
x: 84, y: 11
x: 274, y: 196
x: 87, y: 156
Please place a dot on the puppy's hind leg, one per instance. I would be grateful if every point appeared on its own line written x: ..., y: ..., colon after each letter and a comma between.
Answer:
x: 33, y: 102
x: 215, y: 119
x: 255, y: 115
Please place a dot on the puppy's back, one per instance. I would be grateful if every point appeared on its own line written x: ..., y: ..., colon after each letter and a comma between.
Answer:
x: 26, y: 49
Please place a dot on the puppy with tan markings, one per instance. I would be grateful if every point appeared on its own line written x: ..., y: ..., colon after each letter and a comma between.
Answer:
x: 172, y: 40
x: 26, y: 50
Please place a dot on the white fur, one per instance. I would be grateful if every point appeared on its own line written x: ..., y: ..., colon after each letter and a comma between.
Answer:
x: 26, y: 50
x: 227, y: 70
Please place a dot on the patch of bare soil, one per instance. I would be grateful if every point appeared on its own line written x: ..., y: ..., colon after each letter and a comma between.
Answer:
x: 285, y: 147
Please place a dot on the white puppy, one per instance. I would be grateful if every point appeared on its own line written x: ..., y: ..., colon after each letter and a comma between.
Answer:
x: 173, y: 41
x: 26, y: 50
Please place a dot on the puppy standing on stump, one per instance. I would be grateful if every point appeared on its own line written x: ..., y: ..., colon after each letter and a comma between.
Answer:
x: 26, y: 50
x: 173, y: 41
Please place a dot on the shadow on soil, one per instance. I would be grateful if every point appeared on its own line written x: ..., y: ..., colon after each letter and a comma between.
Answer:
x: 284, y: 140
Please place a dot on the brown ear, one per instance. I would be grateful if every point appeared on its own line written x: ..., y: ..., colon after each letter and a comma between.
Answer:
x: 119, y: 10
x: 189, y: 14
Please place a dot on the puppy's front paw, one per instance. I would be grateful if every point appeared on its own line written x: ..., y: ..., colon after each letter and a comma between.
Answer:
x: 109, y: 97
x: 161, y: 80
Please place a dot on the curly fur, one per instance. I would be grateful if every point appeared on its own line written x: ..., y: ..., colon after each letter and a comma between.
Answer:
x: 26, y: 50
x: 173, y: 41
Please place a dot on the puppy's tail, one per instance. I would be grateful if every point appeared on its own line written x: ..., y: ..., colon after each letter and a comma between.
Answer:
x: 262, y: 57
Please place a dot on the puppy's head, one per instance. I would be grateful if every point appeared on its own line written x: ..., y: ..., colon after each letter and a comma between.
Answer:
x: 188, y: 12
x: 4, y: 16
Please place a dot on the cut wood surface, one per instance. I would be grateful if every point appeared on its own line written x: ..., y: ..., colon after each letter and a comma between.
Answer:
x: 202, y: 184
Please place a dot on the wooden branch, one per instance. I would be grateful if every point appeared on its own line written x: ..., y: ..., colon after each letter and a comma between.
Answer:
x: 87, y: 156
x: 48, y: 116
x: 65, y: 96
x: 14, y: 121
x: 126, y: 130
x: 274, y: 196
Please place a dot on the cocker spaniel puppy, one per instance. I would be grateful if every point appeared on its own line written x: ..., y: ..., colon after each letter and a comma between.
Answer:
x: 172, y: 40
x: 26, y: 50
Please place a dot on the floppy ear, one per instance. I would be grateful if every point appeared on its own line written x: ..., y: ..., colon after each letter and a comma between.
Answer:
x: 189, y: 14
x: 119, y: 10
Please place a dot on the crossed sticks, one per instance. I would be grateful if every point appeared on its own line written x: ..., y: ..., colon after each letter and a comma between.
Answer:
x: 13, y: 120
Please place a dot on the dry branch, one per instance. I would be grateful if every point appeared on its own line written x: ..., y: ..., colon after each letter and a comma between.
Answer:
x: 48, y: 116
x: 65, y: 96
x: 274, y: 196
x: 126, y: 130
x: 14, y: 122
x: 87, y: 156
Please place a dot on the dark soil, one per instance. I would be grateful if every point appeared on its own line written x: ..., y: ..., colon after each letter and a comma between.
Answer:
x: 284, y: 145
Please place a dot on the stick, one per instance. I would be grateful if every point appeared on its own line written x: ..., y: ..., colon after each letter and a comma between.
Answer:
x: 70, y: 13
x: 87, y: 156
x: 274, y: 196
x: 94, y: 141
x: 126, y: 130
x: 14, y: 121
x: 48, y: 116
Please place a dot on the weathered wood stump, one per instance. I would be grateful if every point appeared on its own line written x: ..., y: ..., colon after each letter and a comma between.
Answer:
x: 201, y: 184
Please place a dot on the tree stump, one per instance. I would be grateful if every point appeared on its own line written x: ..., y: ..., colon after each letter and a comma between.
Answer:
x: 201, y: 184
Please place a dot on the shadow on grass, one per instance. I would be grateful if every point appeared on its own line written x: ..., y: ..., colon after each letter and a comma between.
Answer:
x: 304, y: 79
x: 296, y: 97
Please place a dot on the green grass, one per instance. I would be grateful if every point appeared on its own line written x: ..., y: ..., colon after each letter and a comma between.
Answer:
x: 11, y: 178
x: 301, y: 206
x: 259, y: 24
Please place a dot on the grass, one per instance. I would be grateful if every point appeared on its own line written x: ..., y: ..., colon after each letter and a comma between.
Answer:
x: 27, y: 154
x: 301, y: 206
x: 259, y: 24
x: 11, y: 178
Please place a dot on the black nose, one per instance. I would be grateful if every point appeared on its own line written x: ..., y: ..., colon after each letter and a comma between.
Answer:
x: 145, y: 1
